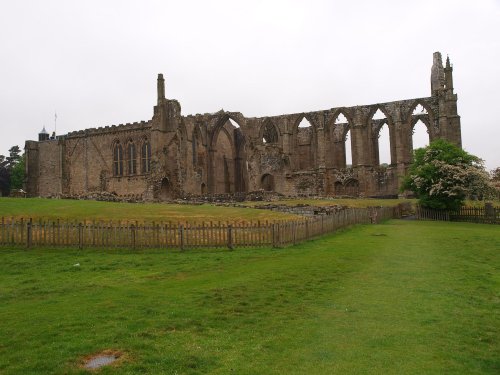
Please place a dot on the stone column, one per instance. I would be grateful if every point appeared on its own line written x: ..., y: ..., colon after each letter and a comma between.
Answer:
x: 320, y: 134
x: 211, y: 171
x: 359, y: 140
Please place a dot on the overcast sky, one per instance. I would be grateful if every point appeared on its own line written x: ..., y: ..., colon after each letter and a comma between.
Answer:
x: 96, y: 62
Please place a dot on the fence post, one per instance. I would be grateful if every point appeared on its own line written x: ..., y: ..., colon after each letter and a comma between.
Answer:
x: 22, y: 230
x: 273, y: 231
x: 132, y: 228
x: 230, y: 237
x: 489, y: 213
x: 29, y: 229
x: 181, y: 236
x: 80, y: 235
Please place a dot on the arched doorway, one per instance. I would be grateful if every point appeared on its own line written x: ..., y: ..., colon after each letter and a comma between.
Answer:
x: 352, y: 188
x: 203, y: 189
x: 267, y: 182
x: 165, y: 190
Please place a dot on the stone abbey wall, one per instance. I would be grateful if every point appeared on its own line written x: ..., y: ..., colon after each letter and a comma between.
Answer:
x: 172, y: 156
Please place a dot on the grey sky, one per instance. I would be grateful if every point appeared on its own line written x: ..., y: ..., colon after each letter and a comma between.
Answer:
x: 96, y: 62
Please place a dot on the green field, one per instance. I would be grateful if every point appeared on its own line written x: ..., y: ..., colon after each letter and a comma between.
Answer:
x: 402, y: 297
x: 67, y: 209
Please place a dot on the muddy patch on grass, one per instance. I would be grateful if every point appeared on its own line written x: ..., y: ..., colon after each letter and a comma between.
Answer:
x: 104, y: 358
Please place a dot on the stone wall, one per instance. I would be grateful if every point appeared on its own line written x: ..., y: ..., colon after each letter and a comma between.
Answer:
x: 226, y: 152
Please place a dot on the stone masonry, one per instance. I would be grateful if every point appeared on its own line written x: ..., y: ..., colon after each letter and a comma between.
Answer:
x: 173, y: 156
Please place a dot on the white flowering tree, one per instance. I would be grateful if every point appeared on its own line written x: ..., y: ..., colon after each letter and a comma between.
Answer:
x: 495, y: 180
x: 443, y: 175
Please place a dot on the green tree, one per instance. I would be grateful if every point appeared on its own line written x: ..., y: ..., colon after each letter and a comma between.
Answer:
x: 12, y: 170
x: 4, y: 177
x: 495, y: 175
x: 443, y: 175
x: 14, y: 156
x: 18, y: 174
x: 495, y: 180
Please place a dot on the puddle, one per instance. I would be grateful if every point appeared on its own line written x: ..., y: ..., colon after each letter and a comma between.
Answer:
x: 104, y: 358
x: 100, y: 360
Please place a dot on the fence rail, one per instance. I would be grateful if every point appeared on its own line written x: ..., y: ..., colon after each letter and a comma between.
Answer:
x: 483, y: 215
x: 55, y: 233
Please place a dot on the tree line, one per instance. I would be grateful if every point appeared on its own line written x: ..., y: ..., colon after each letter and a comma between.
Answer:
x: 12, y: 171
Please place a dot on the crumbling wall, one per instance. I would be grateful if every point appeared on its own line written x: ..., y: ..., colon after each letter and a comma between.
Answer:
x: 207, y: 154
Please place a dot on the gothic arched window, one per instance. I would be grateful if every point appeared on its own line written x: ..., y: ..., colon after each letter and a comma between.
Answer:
x: 132, y: 159
x: 118, y: 160
x: 146, y: 157
x: 269, y: 135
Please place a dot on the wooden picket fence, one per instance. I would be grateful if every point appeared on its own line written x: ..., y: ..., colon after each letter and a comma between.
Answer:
x: 483, y: 215
x: 31, y: 233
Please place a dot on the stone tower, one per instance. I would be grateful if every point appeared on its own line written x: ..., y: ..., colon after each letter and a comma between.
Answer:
x: 166, y: 139
x: 437, y: 74
x: 442, y: 87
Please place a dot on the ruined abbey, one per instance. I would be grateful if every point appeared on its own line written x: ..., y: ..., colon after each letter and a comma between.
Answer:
x: 174, y: 156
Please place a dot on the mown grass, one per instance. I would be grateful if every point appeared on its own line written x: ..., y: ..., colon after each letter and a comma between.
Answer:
x: 399, y: 298
x: 67, y: 209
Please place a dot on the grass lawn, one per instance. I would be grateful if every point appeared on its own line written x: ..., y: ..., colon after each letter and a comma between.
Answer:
x: 403, y: 297
x: 68, y: 209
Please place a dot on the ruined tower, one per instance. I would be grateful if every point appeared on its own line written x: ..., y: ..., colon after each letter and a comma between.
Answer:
x: 449, y: 120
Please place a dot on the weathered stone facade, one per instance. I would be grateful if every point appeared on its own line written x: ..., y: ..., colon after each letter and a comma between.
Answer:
x: 172, y: 156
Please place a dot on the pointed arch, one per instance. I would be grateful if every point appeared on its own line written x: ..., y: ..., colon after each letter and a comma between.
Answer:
x: 235, y: 162
x: 382, y: 136
x: 420, y: 136
x: 117, y: 158
x: 339, y: 152
x: 145, y: 156
x: 268, y: 133
x: 427, y: 119
x: 304, y: 116
x: 339, y: 116
x: 304, y: 123
x: 414, y: 104
x: 304, y: 142
x: 131, y: 157
x: 220, y: 122
x: 379, y: 112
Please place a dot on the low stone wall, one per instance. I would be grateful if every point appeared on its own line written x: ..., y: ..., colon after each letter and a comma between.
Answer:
x: 303, y: 209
